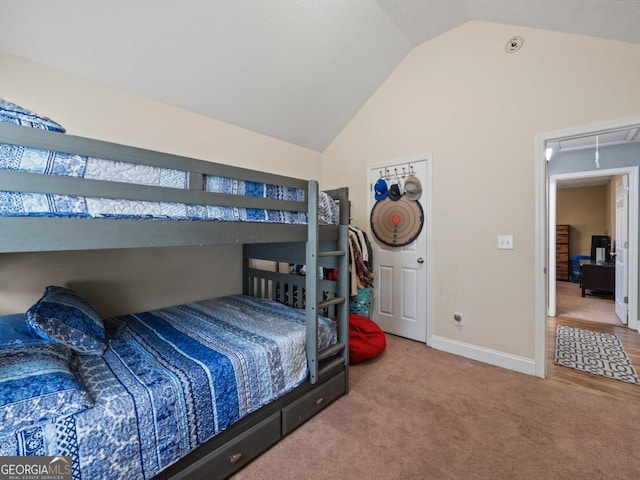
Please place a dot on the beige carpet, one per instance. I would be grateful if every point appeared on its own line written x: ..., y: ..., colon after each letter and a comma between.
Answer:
x: 417, y: 413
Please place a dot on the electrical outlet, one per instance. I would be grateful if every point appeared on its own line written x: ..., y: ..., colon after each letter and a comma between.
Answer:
x: 505, y: 242
x: 457, y: 318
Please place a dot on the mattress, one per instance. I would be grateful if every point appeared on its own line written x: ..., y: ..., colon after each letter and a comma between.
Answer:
x: 170, y: 380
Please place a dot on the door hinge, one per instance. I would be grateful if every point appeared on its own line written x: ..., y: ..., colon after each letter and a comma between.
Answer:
x: 626, y: 300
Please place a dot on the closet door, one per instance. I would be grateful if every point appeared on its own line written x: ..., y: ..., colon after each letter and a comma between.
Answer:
x: 401, y: 291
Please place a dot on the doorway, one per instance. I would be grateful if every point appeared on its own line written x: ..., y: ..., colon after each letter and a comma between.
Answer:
x: 545, y: 217
x: 592, y: 205
x: 627, y: 249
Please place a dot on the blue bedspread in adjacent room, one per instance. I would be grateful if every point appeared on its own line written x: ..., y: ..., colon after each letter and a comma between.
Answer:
x: 170, y: 380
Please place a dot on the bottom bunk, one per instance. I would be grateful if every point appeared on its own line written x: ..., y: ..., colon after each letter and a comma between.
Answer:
x: 191, y: 391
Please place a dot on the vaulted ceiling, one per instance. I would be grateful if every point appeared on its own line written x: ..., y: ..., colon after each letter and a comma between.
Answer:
x: 297, y: 70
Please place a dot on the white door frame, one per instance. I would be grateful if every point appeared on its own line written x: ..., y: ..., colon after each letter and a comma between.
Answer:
x: 632, y: 284
x: 427, y: 191
x: 541, y: 238
x: 622, y: 249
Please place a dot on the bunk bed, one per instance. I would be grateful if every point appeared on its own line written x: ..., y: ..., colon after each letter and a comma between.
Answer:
x: 278, y: 220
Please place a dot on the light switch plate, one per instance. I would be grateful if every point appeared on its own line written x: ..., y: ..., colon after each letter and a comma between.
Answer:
x: 505, y: 242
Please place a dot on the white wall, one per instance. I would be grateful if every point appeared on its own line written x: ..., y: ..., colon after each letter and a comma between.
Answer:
x: 477, y: 110
x: 120, y: 281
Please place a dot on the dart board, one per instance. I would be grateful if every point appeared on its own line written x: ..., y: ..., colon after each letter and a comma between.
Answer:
x: 397, y: 223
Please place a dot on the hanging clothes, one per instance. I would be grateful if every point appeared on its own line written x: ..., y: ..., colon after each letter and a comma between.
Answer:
x: 363, y: 244
x: 360, y: 260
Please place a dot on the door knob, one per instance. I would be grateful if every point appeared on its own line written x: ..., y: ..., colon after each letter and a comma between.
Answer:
x: 420, y: 260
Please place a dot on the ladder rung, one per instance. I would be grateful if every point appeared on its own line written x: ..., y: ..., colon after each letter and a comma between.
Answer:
x: 332, y: 253
x: 330, y: 301
x: 330, y: 351
x: 332, y: 364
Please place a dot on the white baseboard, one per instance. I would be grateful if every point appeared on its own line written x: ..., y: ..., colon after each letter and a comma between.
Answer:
x: 486, y: 355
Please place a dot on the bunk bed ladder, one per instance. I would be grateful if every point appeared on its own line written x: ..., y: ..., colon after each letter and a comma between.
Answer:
x: 321, y: 362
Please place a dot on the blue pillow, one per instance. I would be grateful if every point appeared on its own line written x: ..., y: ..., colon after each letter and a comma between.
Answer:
x: 63, y: 316
x: 13, y: 328
x: 37, y: 386
x: 12, y: 113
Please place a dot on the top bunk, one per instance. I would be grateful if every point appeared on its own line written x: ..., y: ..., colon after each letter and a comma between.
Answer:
x: 64, y: 192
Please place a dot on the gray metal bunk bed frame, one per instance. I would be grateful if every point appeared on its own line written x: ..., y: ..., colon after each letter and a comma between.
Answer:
x: 311, y: 245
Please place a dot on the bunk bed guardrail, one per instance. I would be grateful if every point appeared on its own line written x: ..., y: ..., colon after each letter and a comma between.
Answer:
x: 160, y: 232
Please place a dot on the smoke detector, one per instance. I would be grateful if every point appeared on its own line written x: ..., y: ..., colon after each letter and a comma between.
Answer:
x: 514, y: 44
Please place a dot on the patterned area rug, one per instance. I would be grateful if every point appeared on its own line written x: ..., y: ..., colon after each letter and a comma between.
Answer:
x: 593, y: 352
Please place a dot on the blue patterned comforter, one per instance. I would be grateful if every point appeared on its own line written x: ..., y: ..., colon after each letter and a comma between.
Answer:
x: 170, y: 380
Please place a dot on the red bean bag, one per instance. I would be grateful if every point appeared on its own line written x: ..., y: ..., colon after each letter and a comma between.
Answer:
x: 366, y: 339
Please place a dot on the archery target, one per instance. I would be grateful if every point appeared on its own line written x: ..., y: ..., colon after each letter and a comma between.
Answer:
x: 397, y: 223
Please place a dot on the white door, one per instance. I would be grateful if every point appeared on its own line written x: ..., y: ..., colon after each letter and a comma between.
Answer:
x: 401, y: 283
x: 622, y: 248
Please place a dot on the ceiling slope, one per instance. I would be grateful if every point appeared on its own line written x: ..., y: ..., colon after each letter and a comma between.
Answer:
x: 296, y: 70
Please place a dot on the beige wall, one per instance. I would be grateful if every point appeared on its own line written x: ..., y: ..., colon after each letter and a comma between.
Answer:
x: 587, y: 212
x: 132, y: 280
x: 477, y: 110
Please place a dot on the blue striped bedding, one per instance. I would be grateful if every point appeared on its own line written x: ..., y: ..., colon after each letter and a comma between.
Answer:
x: 170, y: 380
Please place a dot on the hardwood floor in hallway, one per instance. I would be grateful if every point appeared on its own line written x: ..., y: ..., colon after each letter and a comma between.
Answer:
x: 593, y: 314
x: 571, y: 303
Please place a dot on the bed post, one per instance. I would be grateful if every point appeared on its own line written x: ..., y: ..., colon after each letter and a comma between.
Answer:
x: 311, y: 280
